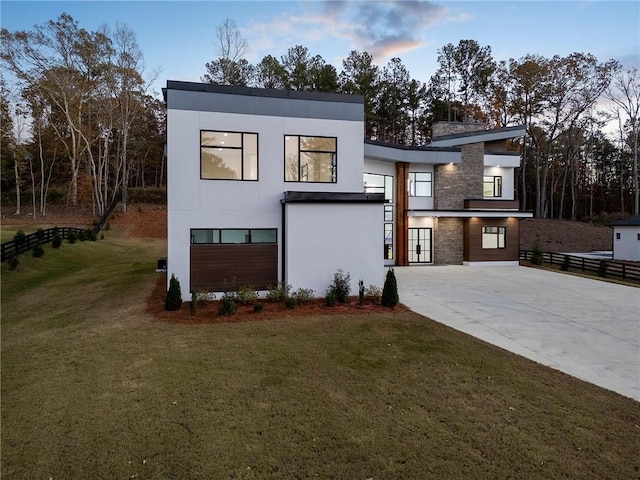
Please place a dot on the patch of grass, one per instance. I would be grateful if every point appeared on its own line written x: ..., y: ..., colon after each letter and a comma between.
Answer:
x: 92, y: 387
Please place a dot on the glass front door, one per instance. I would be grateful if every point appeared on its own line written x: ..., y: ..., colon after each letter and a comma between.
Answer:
x: 420, y: 245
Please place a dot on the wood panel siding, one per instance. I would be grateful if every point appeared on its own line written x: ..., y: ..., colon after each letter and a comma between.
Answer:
x: 473, y: 251
x: 491, y: 204
x: 402, y: 223
x: 215, y: 268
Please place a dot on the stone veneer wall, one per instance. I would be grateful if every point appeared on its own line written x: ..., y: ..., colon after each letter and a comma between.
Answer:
x: 448, y: 240
x: 455, y: 183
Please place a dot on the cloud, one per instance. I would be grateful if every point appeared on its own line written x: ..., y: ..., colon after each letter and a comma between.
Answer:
x: 382, y: 28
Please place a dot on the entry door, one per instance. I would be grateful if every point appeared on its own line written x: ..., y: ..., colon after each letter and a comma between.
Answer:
x: 420, y: 245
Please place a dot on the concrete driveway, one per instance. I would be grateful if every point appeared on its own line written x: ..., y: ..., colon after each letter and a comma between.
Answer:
x: 586, y: 328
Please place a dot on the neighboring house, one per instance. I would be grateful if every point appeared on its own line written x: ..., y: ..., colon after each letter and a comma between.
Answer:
x: 268, y: 185
x: 626, y: 239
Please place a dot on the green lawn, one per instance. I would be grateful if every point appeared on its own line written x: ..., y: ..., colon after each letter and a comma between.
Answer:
x: 92, y: 387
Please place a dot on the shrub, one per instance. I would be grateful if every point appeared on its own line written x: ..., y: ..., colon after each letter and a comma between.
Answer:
x: 373, y: 293
x: 20, y: 237
x: 202, y: 297
x: 82, y: 235
x: 102, y: 237
x: 174, y: 295
x: 227, y: 304
x: 37, y: 251
x: 290, y: 302
x: 40, y: 235
x: 536, y: 252
x: 91, y: 234
x: 360, y: 292
x: 57, y: 241
x: 13, y: 262
x: 602, y: 269
x: 341, y: 286
x: 71, y: 238
x: 193, y: 303
x: 330, y: 299
x: 258, y: 307
x: 390, y: 290
x: 246, y: 295
x: 303, y: 295
x: 278, y: 292
x: 566, y: 262
x: 107, y: 226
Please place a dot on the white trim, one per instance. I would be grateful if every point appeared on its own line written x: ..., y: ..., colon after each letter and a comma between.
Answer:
x: 513, y: 263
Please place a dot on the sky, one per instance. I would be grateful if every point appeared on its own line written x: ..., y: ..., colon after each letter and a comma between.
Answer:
x: 179, y: 37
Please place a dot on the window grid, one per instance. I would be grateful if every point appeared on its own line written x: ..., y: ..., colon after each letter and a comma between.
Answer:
x: 494, y: 237
x: 492, y: 186
x: 248, y: 166
x: 379, y: 183
x: 205, y: 236
x: 420, y: 184
x: 301, y: 173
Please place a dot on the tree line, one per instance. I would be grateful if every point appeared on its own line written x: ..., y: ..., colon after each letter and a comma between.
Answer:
x: 96, y: 129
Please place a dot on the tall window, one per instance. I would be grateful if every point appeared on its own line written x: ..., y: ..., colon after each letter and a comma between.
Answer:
x: 419, y: 184
x: 494, y: 237
x: 228, y: 155
x: 310, y: 159
x: 492, y: 186
x: 375, y: 183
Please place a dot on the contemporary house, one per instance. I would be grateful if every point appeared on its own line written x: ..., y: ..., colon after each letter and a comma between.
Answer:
x: 268, y: 185
x: 626, y: 239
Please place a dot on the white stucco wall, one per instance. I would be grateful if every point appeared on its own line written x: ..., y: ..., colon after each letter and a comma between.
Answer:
x: 507, y: 175
x: 322, y: 238
x: 195, y: 203
x: 628, y: 247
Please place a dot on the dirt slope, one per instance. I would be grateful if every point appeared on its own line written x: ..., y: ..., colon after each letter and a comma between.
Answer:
x: 564, y: 235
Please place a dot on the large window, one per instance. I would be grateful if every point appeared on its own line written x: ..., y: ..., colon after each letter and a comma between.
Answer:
x: 376, y: 183
x: 492, y: 186
x: 419, y: 184
x: 228, y: 155
x: 310, y: 159
x: 233, y: 235
x: 493, y: 237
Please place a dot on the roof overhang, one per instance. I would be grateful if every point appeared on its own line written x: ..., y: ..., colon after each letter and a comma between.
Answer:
x: 332, y: 197
x: 471, y: 213
x: 478, y: 136
x: 417, y: 155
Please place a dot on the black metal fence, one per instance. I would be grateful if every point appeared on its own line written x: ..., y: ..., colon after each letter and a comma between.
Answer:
x: 601, y: 267
x: 16, y: 247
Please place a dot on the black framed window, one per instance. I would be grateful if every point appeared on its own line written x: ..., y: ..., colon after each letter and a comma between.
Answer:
x: 378, y: 183
x: 388, y: 241
x: 617, y: 235
x: 492, y: 186
x: 310, y: 159
x: 228, y: 155
x: 420, y: 184
x: 494, y: 237
x: 233, y: 235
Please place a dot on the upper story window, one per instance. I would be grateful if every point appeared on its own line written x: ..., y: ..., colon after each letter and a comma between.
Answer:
x: 492, y: 187
x: 376, y: 183
x: 310, y: 159
x: 228, y: 155
x: 420, y: 184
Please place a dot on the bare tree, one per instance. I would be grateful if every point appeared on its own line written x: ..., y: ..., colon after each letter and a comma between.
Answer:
x: 230, y: 67
x: 624, y: 92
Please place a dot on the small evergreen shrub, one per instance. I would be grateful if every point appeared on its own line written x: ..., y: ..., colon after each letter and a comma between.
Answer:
x: 91, y: 235
x: 57, y: 241
x: 71, y: 238
x: 290, y: 302
x: 536, y: 252
x: 246, y: 295
x: 303, y: 295
x: 258, y: 307
x: 37, y: 251
x: 174, y: 295
x: 40, y: 235
x: 330, y: 299
x: 227, y: 304
x: 566, y: 262
x: 360, y: 292
x: 373, y: 293
x: 278, y: 292
x: 82, y: 235
x: 20, y: 237
x: 390, y: 290
x: 602, y: 269
x: 341, y: 286
x: 13, y: 262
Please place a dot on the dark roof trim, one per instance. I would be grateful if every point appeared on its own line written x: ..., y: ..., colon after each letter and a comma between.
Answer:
x: 261, y: 92
x: 418, y: 148
x: 332, y: 197
x: 480, y: 132
x: 627, y: 222
x: 477, y: 136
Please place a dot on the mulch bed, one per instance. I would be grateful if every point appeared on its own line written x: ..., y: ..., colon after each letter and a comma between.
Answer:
x: 209, y: 312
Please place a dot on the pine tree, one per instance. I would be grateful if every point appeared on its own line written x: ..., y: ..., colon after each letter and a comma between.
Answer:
x: 390, y: 290
x: 174, y: 295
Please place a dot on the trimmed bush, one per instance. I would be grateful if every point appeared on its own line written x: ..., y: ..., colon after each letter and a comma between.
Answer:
x: 566, y: 262
x: 40, y: 235
x: 37, y: 251
x: 536, y: 253
x: 390, y: 290
x: 13, y: 262
x: 91, y: 235
x: 71, y: 238
x: 278, y: 292
x: 227, y: 304
x: 290, y: 302
x: 341, y: 286
x: 57, y: 241
x: 82, y: 235
x: 246, y: 295
x: 360, y: 292
x: 174, y: 295
x: 602, y: 269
